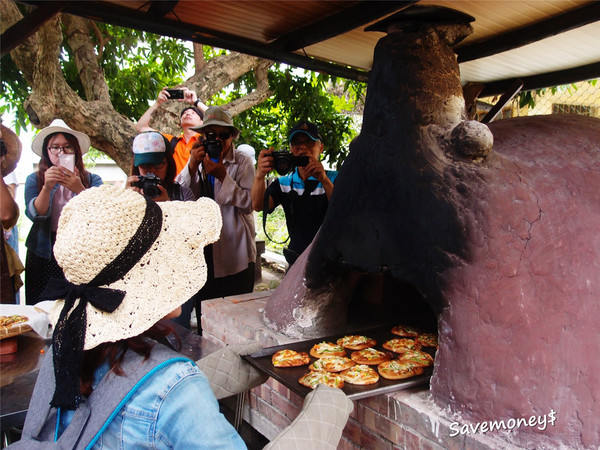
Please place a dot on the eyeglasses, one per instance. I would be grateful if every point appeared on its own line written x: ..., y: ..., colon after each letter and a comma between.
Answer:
x: 224, y: 135
x: 309, y: 143
x: 148, y: 167
x: 68, y: 149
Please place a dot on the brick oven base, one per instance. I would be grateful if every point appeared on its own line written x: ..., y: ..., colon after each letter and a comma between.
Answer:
x: 407, y: 419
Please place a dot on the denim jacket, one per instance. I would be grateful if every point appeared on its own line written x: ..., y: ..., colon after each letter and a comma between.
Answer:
x: 174, y: 409
x: 39, y: 240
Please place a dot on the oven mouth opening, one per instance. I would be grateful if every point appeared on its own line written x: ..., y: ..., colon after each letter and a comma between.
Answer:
x: 379, y: 298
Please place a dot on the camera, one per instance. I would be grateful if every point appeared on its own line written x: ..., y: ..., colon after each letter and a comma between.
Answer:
x: 148, y: 184
x: 212, y: 146
x: 175, y: 94
x: 285, y: 162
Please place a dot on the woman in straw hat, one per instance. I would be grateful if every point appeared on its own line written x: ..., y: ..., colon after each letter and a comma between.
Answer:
x: 129, y: 262
x: 46, y: 192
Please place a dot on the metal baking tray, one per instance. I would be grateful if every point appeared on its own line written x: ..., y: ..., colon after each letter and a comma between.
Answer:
x: 288, y: 376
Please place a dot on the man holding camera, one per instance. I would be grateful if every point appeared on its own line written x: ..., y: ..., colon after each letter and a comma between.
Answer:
x: 304, y: 193
x: 191, y: 116
x: 217, y: 170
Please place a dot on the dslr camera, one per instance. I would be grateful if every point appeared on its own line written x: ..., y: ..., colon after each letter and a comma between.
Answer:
x: 148, y: 184
x: 284, y: 162
x: 212, y: 146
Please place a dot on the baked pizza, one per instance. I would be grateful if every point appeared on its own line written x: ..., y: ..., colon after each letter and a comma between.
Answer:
x: 401, y: 345
x: 423, y: 359
x: 405, y: 331
x: 13, y: 325
x: 370, y: 356
x: 360, y: 374
x: 356, y: 342
x: 313, y: 378
x: 332, y: 364
x: 397, y: 370
x: 327, y: 349
x: 8, y: 321
x: 427, y: 340
x: 290, y: 358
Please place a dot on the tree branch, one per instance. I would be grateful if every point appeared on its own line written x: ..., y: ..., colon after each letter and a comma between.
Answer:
x: 258, y: 95
x: 199, y: 61
x: 77, y: 31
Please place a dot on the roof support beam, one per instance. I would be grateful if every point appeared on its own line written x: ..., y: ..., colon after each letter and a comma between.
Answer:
x: 559, y: 78
x: 526, y: 35
x: 348, y: 19
x: 506, y: 97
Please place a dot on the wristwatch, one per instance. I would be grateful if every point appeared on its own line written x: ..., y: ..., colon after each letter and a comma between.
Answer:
x: 196, y: 102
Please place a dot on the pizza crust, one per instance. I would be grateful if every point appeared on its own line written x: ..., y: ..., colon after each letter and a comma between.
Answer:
x: 356, y: 342
x: 290, y: 358
x: 401, y: 345
x: 405, y: 331
x: 397, y: 370
x: 327, y: 349
x: 419, y: 357
x: 370, y: 356
x: 361, y: 375
x: 312, y: 379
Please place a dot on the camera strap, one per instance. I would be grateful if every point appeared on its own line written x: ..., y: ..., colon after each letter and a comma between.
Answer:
x: 265, y: 213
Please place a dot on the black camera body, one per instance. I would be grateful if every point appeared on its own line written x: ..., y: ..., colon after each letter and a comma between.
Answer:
x: 212, y: 145
x: 285, y: 162
x: 149, y: 185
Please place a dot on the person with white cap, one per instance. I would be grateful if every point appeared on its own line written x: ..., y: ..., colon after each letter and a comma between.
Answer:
x: 216, y: 170
x: 155, y: 169
x: 61, y: 175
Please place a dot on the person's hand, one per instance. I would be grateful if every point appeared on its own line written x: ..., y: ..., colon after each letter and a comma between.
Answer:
x: 216, y: 169
x: 197, y: 153
x: 129, y: 184
x: 314, y: 168
x: 52, y: 176
x: 163, y: 96
x: 164, y: 195
x: 189, y: 96
x: 264, y: 164
x: 71, y: 180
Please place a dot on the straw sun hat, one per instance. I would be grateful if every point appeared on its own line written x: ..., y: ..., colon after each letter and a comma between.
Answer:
x: 99, y: 225
x: 128, y: 262
x: 59, y: 126
x: 13, y: 147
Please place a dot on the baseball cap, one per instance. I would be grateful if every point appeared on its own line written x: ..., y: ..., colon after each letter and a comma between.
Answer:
x: 310, y: 129
x: 149, y: 148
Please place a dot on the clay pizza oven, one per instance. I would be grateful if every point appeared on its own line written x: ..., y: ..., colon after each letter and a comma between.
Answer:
x: 488, y: 234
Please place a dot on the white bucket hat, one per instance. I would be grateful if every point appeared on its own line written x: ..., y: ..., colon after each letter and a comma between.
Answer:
x: 128, y: 262
x: 59, y: 126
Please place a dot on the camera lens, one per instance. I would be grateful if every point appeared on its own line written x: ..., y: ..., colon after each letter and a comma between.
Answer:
x: 282, y: 165
x: 151, y: 190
